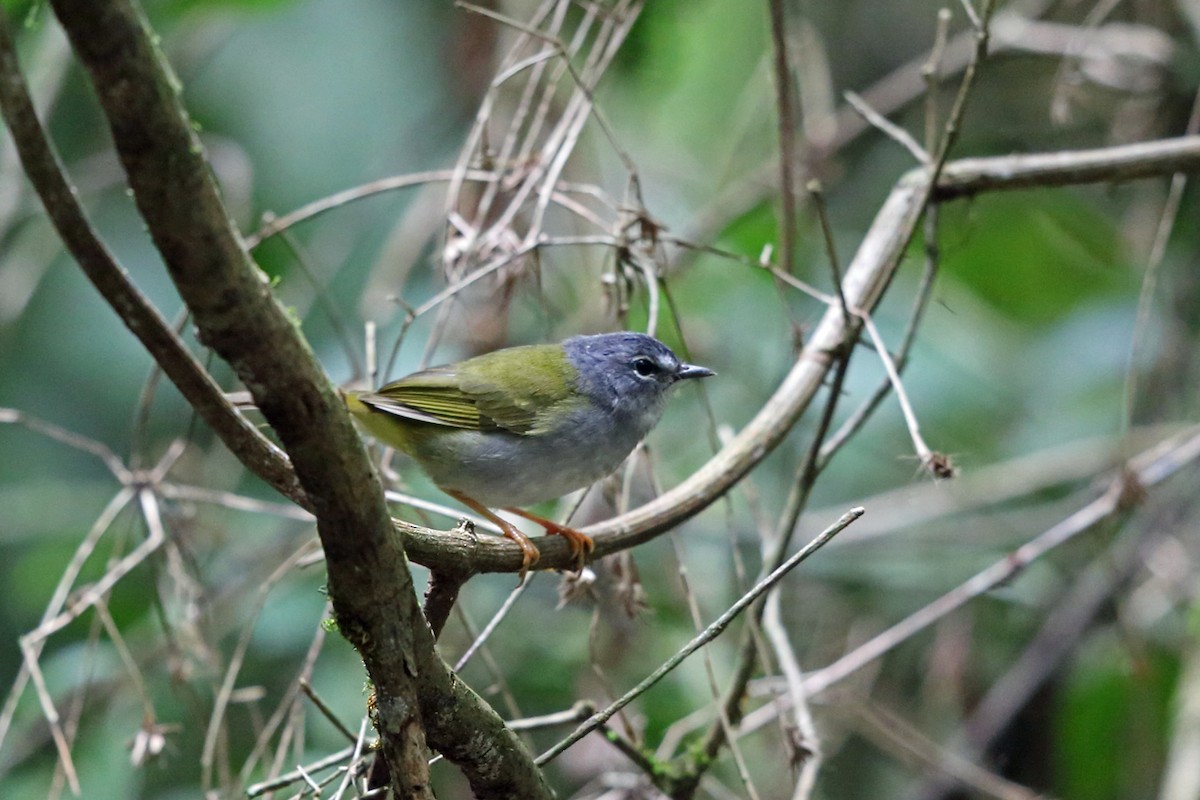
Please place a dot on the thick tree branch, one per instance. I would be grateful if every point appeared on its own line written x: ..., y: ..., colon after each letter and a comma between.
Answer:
x: 229, y: 297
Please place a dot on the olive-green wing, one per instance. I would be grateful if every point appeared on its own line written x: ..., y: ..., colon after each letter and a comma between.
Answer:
x: 514, y: 390
x: 521, y: 389
x: 430, y: 396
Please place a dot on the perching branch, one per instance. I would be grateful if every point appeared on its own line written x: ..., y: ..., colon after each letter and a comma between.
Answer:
x: 868, y: 274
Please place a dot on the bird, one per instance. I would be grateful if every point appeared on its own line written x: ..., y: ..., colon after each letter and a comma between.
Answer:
x: 522, y: 425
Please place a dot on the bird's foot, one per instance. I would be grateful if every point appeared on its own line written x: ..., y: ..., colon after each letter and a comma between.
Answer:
x: 580, y: 543
x: 529, y: 551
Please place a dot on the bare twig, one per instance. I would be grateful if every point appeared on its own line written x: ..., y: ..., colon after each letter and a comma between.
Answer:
x: 325, y: 710
x: 891, y: 129
x: 705, y: 636
x: 1158, y: 251
x: 856, y: 420
x: 288, y: 704
x: 1147, y: 470
x: 576, y: 713
x: 65, y: 762
x: 763, y: 262
x: 929, y: 74
x: 257, y: 789
x: 722, y: 712
x: 806, y: 749
x: 775, y: 547
x: 111, y: 460
x: 221, y: 701
x: 347, y: 776
x: 818, y: 197
x: 65, y: 584
x: 936, y: 464
x: 1180, y: 779
x: 1067, y: 621
x: 496, y: 619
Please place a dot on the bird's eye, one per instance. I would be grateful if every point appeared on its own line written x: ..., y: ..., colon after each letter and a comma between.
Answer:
x: 644, y: 367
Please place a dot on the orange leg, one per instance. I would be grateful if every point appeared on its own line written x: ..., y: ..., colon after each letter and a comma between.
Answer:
x: 529, y: 551
x: 581, y: 544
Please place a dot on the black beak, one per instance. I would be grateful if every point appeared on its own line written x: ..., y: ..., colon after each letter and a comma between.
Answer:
x: 693, y: 371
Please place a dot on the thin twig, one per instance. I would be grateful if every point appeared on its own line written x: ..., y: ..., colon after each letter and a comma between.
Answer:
x: 818, y: 197
x: 359, y: 742
x: 760, y: 262
x: 1071, y: 617
x: 1180, y: 779
x: 786, y: 126
x: 929, y: 74
x: 576, y: 713
x: 889, y: 128
x: 894, y: 734
x: 723, y: 719
x: 325, y: 710
x: 1158, y: 251
x: 274, y: 225
x: 111, y: 460
x: 61, y: 745
x: 706, y: 636
x: 499, y: 681
x: 775, y: 549
x: 288, y: 704
x: 927, y: 456
x: 1147, y: 470
x: 321, y: 294
x: 973, y: 15
x: 65, y: 584
x: 807, y: 750
x: 225, y: 690
x: 256, y: 789
x: 495, y: 621
x: 856, y: 420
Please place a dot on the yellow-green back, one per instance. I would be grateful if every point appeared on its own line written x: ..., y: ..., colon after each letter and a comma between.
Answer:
x: 518, y: 390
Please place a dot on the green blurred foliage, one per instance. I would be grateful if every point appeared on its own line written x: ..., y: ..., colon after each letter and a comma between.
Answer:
x: 1115, y: 712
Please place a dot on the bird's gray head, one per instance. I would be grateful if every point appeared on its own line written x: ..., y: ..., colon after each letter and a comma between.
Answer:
x: 628, y: 373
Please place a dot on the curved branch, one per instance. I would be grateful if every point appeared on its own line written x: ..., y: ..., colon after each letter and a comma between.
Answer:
x: 868, y: 275
x: 864, y: 282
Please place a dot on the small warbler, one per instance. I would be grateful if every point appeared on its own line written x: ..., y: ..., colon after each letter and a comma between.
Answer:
x: 523, y: 425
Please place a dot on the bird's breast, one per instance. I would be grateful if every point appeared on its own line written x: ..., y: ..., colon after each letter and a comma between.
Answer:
x: 502, y: 469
